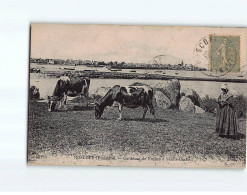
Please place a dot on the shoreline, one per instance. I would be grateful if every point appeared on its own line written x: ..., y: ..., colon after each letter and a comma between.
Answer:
x: 121, y: 75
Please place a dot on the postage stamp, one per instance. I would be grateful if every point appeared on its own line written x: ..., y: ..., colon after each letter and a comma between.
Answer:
x: 224, y: 53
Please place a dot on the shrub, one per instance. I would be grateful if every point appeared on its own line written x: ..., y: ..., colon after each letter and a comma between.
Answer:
x: 78, y: 100
x: 239, y: 103
x: 209, y: 104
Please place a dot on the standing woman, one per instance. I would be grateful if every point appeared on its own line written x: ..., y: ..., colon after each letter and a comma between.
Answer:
x: 226, y: 120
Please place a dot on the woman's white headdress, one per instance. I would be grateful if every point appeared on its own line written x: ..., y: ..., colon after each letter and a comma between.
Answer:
x: 224, y: 86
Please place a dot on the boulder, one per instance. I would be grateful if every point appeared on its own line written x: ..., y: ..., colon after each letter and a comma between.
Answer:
x: 160, y: 100
x: 186, y: 105
x: 78, y: 101
x: 99, y: 92
x: 199, y: 110
x: 171, y: 89
x: 34, y: 93
x: 193, y: 95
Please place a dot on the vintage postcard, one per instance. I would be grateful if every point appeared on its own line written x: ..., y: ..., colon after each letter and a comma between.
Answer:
x: 156, y: 96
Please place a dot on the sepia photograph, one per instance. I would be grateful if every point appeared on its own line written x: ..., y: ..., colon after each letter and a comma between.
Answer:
x: 137, y: 95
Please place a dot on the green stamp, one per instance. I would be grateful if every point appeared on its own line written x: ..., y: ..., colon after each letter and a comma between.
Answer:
x: 224, y: 53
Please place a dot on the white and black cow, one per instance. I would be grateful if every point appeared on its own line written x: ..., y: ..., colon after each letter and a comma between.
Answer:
x: 68, y: 86
x: 130, y: 97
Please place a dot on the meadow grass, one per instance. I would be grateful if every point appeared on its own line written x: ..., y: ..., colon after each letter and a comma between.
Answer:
x: 172, y: 134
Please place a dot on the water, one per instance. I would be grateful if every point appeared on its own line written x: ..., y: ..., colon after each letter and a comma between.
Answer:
x: 203, y: 88
x: 199, y: 74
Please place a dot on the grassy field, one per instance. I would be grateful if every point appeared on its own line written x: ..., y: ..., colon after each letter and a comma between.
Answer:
x: 173, y: 136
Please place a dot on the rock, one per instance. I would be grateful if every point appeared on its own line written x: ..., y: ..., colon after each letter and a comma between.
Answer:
x: 193, y: 95
x: 171, y: 89
x: 137, y: 84
x: 100, y: 92
x: 34, y: 93
x: 79, y: 101
x: 115, y: 104
x: 199, y: 110
x: 186, y: 105
x: 160, y: 100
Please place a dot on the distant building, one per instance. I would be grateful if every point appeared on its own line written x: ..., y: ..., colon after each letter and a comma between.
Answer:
x: 70, y: 62
x: 43, y: 61
x: 59, y: 61
x: 86, y: 62
x: 78, y: 62
x: 33, y: 60
x: 50, y: 61
x: 95, y: 63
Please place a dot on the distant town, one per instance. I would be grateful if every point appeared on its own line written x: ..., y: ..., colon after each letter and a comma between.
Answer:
x: 118, y: 65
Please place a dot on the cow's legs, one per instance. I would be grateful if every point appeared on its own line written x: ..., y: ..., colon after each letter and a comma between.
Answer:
x: 145, y: 111
x: 60, y: 104
x: 151, y: 108
x: 63, y: 101
x: 50, y: 105
x: 120, y: 109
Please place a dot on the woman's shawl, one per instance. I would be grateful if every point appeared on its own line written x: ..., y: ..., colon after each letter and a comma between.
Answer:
x: 224, y: 97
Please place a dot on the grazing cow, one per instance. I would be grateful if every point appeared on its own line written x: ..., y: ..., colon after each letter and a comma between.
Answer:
x: 130, y: 97
x: 68, y: 86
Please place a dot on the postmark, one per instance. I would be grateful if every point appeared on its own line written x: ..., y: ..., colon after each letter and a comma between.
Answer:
x: 224, y: 53
x: 166, y: 60
x: 201, y: 52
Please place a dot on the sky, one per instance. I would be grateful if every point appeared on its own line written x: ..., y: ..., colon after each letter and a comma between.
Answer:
x: 119, y: 43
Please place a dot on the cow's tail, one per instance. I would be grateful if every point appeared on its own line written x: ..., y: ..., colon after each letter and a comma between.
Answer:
x: 151, y: 94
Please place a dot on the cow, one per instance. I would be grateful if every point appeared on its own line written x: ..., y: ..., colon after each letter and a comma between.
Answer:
x: 68, y: 86
x: 126, y: 96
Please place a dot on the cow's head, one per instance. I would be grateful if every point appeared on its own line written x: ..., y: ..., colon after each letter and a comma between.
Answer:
x: 52, y: 102
x: 98, y: 111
